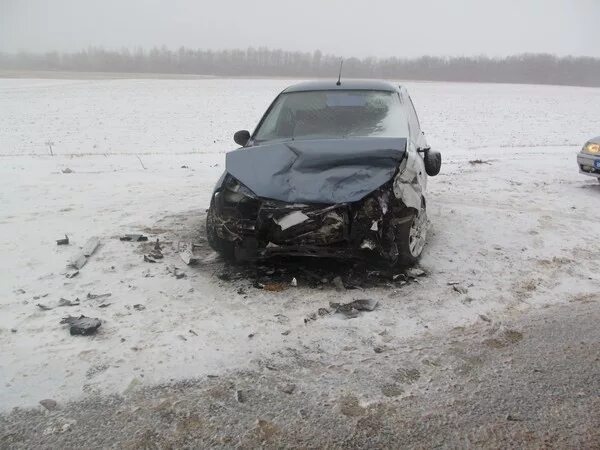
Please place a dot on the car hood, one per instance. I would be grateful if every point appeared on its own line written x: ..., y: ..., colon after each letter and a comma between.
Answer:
x: 317, y: 171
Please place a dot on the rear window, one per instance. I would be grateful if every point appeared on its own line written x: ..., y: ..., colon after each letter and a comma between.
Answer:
x: 333, y: 115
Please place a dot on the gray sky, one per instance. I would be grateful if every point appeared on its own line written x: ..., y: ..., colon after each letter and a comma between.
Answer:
x: 344, y: 27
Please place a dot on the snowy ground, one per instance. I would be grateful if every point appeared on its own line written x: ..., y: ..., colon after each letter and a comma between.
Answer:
x: 517, y: 230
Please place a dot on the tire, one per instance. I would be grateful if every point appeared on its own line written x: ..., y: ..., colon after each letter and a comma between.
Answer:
x: 225, y: 248
x: 411, y: 237
x: 433, y: 162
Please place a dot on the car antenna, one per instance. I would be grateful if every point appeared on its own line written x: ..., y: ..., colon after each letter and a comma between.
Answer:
x: 339, y: 81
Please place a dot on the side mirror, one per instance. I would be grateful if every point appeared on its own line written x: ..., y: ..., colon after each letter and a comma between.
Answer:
x: 433, y: 162
x: 241, y: 137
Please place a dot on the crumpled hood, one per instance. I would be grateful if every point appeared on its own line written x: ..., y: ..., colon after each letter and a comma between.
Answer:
x: 317, y: 171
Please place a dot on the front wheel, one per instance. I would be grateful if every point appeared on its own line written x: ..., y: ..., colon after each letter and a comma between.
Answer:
x: 411, y: 237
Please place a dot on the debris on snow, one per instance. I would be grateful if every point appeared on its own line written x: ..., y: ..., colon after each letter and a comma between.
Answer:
x: 139, y: 307
x: 43, y: 307
x: 460, y: 288
x: 186, y: 253
x: 81, y: 325
x: 90, y: 247
x: 91, y: 296
x: 86, y: 252
x: 415, y: 272
x: 72, y: 273
x: 352, y: 309
x: 155, y: 254
x: 478, y: 161
x: 49, y: 404
x: 65, y: 302
x: 64, y: 241
x: 294, y: 282
x: 239, y: 396
x: 176, y: 272
x: 134, y: 238
x: 288, y: 388
x: 67, y: 170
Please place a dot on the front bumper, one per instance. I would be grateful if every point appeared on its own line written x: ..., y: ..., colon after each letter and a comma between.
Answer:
x: 347, y: 230
x: 589, y: 164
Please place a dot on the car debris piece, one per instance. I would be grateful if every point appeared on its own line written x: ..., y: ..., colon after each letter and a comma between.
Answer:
x: 64, y: 241
x: 294, y: 282
x: 365, y: 304
x: 78, y: 262
x: 460, y: 288
x: 415, y: 272
x: 90, y: 246
x: 155, y: 254
x: 86, y: 252
x: 288, y: 388
x: 139, y: 307
x: 176, y: 272
x: 81, y: 325
x: 66, y: 302
x: 239, y: 396
x: 134, y: 238
x: 186, y: 253
x: 67, y: 170
x: 44, y: 307
x: 104, y: 305
x: 352, y: 309
x: 49, y: 404
x: 72, y: 273
x: 91, y: 296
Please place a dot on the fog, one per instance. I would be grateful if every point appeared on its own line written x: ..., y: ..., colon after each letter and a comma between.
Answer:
x: 361, y: 28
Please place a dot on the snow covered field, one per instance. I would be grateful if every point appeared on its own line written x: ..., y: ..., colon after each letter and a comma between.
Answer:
x: 516, y: 231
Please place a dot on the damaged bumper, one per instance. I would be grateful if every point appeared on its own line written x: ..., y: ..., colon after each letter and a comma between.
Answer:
x: 263, y: 228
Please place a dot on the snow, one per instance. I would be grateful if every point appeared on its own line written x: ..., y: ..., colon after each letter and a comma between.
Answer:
x: 517, y: 231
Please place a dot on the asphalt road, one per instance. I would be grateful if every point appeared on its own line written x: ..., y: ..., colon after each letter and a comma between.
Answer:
x: 531, y: 380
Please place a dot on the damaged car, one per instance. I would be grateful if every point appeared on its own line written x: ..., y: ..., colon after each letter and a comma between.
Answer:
x: 333, y: 170
x: 588, y: 159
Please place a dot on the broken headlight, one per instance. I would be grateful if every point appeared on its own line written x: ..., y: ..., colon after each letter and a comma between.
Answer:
x: 592, y: 148
x: 235, y: 192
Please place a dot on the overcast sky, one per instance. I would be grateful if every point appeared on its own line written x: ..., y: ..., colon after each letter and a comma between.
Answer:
x: 343, y: 27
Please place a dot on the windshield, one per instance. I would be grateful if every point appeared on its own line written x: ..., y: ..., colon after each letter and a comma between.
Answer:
x: 334, y: 114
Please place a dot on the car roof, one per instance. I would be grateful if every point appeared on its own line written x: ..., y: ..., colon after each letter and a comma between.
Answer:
x: 330, y: 85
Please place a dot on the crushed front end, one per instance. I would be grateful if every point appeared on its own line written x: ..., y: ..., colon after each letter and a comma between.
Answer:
x: 260, y: 228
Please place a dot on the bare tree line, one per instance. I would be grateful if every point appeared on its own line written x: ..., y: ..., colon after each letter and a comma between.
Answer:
x: 524, y: 68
